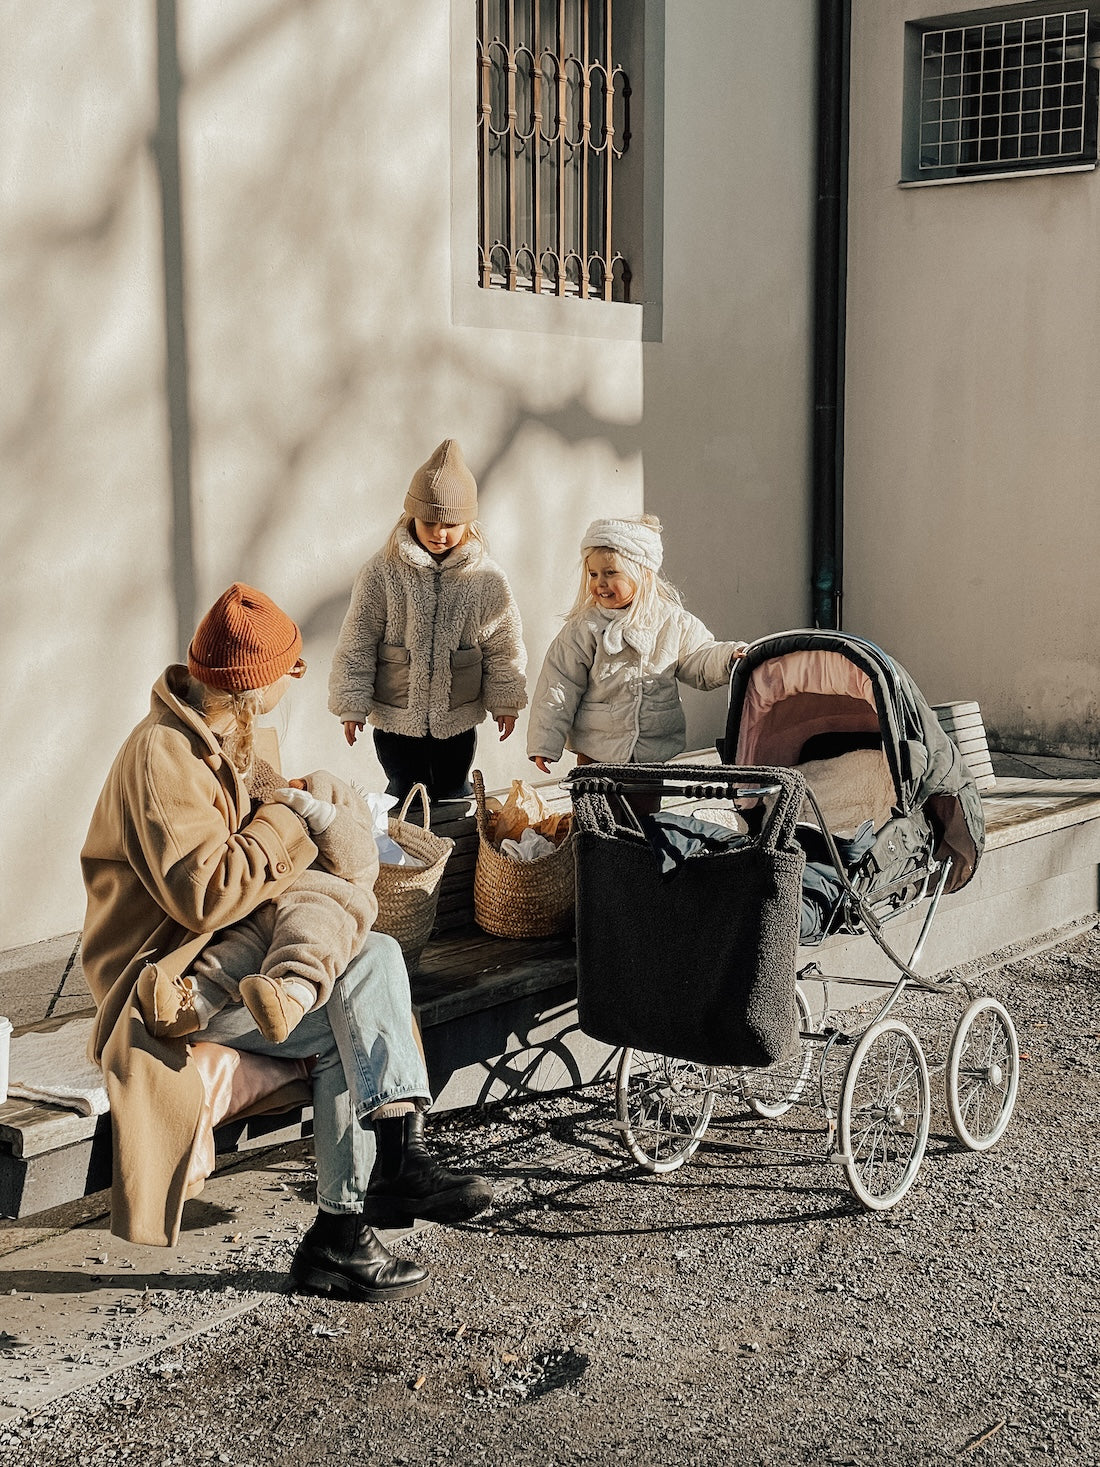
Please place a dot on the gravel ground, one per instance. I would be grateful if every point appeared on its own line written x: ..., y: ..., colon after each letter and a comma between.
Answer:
x: 739, y: 1309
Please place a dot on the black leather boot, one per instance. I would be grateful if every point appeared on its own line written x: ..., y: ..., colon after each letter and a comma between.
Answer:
x: 340, y: 1255
x: 406, y: 1183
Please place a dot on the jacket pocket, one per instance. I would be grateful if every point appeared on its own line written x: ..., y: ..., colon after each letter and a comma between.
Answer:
x: 465, y: 676
x: 391, y: 676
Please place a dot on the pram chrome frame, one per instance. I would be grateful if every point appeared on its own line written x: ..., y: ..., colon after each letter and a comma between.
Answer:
x: 878, y: 1129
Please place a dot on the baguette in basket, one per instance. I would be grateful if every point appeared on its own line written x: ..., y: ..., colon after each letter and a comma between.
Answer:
x: 532, y: 898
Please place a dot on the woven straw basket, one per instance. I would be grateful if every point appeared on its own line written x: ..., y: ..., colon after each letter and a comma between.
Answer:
x: 521, y: 898
x: 408, y: 895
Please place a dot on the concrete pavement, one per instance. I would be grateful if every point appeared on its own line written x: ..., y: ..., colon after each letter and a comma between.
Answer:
x: 78, y: 1305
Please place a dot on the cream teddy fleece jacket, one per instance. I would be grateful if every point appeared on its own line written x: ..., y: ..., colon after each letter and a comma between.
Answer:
x: 429, y: 647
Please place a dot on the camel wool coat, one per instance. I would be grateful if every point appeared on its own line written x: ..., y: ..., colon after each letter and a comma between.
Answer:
x: 428, y: 647
x: 173, y: 854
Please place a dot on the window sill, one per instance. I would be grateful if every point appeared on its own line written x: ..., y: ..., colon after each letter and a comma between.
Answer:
x: 1007, y: 173
x: 509, y: 310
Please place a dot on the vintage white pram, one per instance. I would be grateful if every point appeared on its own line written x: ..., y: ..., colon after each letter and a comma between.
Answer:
x: 843, y: 806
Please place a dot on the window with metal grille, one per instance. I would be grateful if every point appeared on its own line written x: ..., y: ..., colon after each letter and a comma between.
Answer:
x: 1010, y: 95
x: 553, y: 122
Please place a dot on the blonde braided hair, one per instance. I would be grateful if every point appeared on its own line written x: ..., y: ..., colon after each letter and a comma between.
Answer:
x: 244, y: 708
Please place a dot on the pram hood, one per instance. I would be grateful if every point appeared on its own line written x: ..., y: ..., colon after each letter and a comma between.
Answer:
x: 798, y: 684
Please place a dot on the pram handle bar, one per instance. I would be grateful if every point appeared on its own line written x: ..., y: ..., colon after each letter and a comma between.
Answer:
x: 604, y: 785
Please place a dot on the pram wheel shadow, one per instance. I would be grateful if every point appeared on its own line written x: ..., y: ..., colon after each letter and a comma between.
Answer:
x: 556, y: 1196
x: 543, y: 1067
x: 537, y: 1215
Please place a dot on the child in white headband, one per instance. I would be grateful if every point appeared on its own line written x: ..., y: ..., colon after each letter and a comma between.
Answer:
x: 608, y: 688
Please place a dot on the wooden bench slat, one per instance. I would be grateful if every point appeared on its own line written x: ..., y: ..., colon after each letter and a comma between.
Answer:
x: 964, y: 725
x: 458, y: 989
x: 940, y: 709
x: 965, y: 730
x: 32, y: 1128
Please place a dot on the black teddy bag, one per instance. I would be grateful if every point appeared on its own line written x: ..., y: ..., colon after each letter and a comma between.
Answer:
x: 698, y: 963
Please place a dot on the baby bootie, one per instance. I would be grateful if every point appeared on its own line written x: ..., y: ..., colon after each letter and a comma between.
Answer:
x: 271, y: 1003
x: 167, y: 1004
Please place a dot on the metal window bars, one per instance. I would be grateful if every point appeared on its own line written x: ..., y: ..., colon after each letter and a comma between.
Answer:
x: 1009, y: 94
x: 553, y: 121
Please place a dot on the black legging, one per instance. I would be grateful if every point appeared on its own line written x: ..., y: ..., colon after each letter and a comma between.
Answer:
x: 441, y: 764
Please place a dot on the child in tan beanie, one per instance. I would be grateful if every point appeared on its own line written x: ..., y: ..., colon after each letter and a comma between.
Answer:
x: 432, y: 639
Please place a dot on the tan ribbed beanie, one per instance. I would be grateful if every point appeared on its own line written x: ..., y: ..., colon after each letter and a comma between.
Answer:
x: 244, y: 641
x: 443, y: 491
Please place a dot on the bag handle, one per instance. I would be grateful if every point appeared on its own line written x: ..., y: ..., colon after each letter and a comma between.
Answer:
x: 422, y: 791
x: 777, y: 831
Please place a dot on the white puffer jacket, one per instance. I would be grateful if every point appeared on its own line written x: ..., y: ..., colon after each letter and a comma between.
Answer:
x: 429, y: 647
x: 609, y: 691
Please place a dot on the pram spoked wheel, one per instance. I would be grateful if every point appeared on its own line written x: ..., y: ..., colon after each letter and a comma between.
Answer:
x: 664, y: 1106
x: 983, y: 1071
x: 772, y: 1091
x: 884, y: 1114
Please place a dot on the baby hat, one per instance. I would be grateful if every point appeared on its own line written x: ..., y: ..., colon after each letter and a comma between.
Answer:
x: 244, y: 641
x: 443, y: 491
x: 638, y: 539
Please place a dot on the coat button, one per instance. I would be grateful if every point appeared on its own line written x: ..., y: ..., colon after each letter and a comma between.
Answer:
x: 282, y: 868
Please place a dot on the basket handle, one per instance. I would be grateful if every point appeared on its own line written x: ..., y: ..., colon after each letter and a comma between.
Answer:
x: 421, y: 790
x: 479, y: 795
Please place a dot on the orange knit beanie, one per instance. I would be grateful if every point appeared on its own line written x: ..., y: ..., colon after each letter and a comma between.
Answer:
x: 244, y: 641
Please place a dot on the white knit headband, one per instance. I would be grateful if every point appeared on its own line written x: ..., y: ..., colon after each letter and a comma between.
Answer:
x: 630, y: 537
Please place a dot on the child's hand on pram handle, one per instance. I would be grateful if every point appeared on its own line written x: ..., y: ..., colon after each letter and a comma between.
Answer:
x: 738, y: 652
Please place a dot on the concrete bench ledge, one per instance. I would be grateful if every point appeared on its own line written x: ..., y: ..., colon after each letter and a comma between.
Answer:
x: 1023, y: 809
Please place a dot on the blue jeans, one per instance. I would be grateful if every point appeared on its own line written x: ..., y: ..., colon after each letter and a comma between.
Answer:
x: 366, y: 1056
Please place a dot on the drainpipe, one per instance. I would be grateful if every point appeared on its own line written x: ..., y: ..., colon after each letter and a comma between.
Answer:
x: 166, y: 154
x: 830, y: 257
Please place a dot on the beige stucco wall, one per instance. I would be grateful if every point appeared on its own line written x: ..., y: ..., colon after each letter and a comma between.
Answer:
x: 330, y: 344
x: 727, y: 423
x: 726, y: 427
x: 972, y: 516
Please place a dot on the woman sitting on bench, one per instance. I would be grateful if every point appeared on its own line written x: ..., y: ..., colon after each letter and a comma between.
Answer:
x: 177, y: 852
